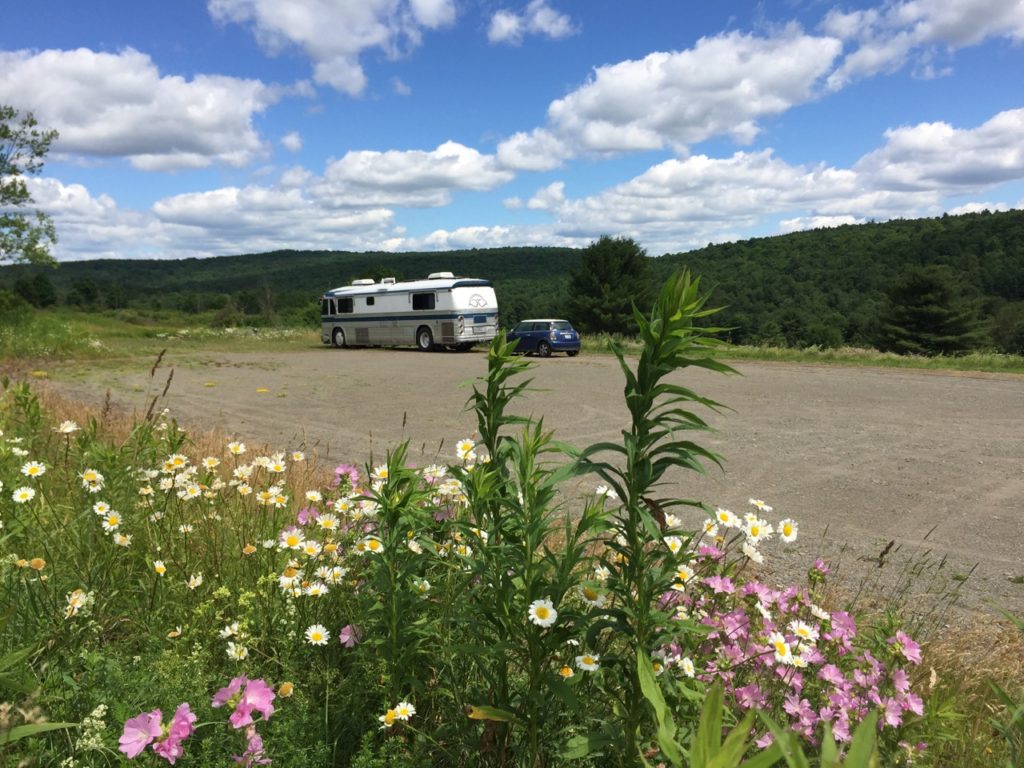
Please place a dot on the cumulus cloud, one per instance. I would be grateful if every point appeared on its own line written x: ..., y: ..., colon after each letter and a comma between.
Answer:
x: 292, y: 141
x: 886, y: 38
x: 119, y: 105
x: 721, y: 86
x: 939, y: 156
x: 334, y: 34
x: 410, y: 178
x: 683, y: 203
x: 538, y: 18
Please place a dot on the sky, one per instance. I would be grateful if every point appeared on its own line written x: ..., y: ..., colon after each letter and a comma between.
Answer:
x: 199, y: 128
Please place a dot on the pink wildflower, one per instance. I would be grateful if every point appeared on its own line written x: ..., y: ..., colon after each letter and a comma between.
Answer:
x: 306, y: 514
x: 822, y: 567
x: 346, y: 472
x: 905, y: 646
x: 750, y: 697
x: 892, y: 713
x: 349, y: 636
x: 720, y: 584
x: 140, y: 731
x: 247, y: 696
x: 253, y: 754
x: 182, y: 726
x: 911, y: 702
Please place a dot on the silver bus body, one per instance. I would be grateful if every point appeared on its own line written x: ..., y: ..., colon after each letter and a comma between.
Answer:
x: 442, y: 310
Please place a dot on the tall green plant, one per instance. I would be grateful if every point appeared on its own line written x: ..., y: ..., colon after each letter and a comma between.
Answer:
x: 661, y: 417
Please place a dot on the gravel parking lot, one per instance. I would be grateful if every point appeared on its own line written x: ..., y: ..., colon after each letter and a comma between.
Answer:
x: 859, y: 456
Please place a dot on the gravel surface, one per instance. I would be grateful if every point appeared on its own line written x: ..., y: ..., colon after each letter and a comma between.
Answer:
x: 859, y: 456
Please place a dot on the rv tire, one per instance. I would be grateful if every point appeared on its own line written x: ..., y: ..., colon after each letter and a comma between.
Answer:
x: 338, y: 337
x: 424, y: 339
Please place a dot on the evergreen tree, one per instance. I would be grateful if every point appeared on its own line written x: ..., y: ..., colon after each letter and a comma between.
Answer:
x: 613, y: 275
x: 928, y: 315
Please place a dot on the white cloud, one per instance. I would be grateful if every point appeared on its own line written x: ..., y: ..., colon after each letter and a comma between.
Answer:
x: 537, y: 18
x: 539, y: 150
x: 292, y: 141
x: 978, y: 208
x: 119, y: 105
x: 721, y: 86
x: 400, y: 87
x: 939, y: 156
x: 549, y: 198
x: 802, y: 223
x: 334, y: 34
x: 886, y: 38
x: 411, y: 178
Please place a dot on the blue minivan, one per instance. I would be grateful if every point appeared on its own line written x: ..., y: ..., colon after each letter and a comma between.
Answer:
x: 545, y: 337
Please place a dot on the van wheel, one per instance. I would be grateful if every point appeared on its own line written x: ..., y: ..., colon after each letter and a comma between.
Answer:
x: 339, y: 338
x: 544, y: 349
x: 424, y: 339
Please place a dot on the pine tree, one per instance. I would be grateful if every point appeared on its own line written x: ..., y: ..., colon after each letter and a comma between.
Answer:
x: 929, y: 315
x: 613, y: 275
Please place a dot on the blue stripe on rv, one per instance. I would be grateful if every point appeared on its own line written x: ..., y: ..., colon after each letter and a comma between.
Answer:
x: 363, y: 318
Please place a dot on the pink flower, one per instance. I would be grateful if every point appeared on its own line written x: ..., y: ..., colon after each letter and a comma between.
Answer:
x: 348, y: 472
x: 720, y: 584
x: 181, y: 727
x: 750, y: 697
x: 892, y: 712
x: 139, y: 732
x: 349, y: 635
x: 248, y: 696
x: 905, y: 646
x: 306, y: 514
x: 822, y: 567
x: 253, y: 754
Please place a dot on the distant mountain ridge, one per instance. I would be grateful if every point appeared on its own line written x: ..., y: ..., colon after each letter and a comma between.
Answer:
x: 824, y: 286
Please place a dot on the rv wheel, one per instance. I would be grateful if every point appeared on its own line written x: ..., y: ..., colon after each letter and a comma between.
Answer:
x: 424, y: 339
x: 339, y: 338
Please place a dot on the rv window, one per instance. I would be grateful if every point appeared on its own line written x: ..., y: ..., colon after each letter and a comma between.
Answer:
x: 369, y: 301
x: 344, y: 306
x: 324, y: 309
x: 423, y: 301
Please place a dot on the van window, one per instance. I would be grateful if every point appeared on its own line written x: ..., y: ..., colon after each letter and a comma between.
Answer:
x: 423, y: 301
x: 344, y: 306
x: 369, y: 301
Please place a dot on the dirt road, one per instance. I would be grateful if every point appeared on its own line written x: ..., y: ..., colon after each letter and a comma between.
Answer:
x: 858, y: 456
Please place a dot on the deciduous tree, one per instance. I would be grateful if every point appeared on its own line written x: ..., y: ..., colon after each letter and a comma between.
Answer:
x: 25, y: 235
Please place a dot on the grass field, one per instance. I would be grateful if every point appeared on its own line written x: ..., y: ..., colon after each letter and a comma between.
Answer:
x: 63, y: 335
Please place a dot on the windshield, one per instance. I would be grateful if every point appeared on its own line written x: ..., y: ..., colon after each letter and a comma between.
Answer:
x: 561, y: 325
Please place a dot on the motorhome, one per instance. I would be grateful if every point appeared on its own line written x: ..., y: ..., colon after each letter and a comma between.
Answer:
x: 442, y: 311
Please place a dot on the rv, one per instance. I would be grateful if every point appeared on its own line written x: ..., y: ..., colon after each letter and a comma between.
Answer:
x: 441, y: 311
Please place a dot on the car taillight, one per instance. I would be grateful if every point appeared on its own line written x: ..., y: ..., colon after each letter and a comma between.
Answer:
x: 462, y: 323
x: 553, y: 335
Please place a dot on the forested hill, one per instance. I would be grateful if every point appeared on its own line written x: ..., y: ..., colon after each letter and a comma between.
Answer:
x: 803, y: 288
x: 826, y: 286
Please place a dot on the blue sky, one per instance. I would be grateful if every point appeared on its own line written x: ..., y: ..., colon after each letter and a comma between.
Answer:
x: 197, y: 128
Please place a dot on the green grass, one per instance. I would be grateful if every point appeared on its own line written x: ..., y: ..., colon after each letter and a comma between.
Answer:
x: 984, y: 362
x: 111, y: 336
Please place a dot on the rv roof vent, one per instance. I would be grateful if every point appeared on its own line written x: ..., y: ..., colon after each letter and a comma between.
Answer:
x: 387, y: 280
x: 440, y: 275
x: 363, y: 281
